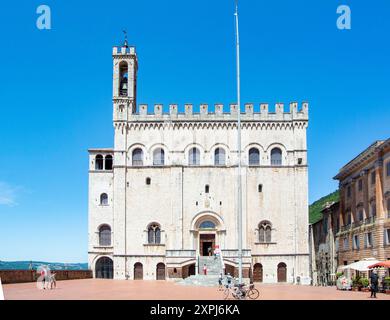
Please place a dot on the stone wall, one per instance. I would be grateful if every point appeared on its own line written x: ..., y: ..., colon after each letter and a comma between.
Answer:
x: 18, y: 276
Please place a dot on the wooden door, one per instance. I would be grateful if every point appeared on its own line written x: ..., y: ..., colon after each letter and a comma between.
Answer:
x: 282, y: 272
x: 258, y: 272
x: 160, y: 271
x: 138, y: 271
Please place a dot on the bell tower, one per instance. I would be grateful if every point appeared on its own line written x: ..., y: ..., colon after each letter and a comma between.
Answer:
x: 125, y: 67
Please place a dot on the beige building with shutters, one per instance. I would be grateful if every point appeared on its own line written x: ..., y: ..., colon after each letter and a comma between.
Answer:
x: 363, y: 223
x: 165, y: 193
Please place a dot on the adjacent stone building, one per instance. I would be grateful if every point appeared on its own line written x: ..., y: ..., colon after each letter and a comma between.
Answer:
x: 165, y: 194
x: 364, y: 215
x: 324, y: 240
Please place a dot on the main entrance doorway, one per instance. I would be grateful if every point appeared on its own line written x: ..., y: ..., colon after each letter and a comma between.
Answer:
x: 206, y: 244
x: 104, y: 268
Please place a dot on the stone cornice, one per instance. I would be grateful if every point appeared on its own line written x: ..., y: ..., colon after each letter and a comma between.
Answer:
x: 211, y: 124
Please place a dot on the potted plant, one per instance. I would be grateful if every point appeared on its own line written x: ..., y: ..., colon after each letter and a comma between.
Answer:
x: 356, y: 283
x: 364, y: 284
x: 339, y: 274
x: 386, y: 284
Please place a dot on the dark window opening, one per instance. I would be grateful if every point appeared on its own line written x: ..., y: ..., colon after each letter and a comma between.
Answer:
x: 123, y: 79
x: 99, y: 162
x: 108, y: 162
x: 276, y: 157
x: 207, y: 188
x: 254, y: 157
x: 148, y: 181
x: 260, y: 188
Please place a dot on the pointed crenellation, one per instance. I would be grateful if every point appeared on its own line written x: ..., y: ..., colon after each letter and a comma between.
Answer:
x: 264, y: 108
x: 305, y: 108
x: 249, y: 108
x: 279, y: 108
x: 294, y: 107
x: 122, y: 50
x: 158, y: 109
x: 188, y: 109
x: 293, y: 112
x: 143, y: 109
x: 233, y: 108
x: 173, y: 109
x: 218, y: 108
x: 204, y: 108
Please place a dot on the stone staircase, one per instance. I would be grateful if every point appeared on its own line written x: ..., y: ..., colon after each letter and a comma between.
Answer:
x: 214, y: 268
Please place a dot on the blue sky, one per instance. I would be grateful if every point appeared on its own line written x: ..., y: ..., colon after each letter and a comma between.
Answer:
x: 55, y: 89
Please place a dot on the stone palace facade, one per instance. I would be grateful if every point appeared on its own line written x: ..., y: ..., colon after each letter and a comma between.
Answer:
x: 165, y: 194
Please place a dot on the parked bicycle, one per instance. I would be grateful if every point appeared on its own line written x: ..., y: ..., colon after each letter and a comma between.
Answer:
x: 241, y: 291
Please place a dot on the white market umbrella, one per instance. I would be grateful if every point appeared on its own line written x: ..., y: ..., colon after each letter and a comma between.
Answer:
x: 361, y: 265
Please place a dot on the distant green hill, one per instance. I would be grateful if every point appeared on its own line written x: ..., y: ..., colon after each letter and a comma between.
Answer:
x: 316, y: 207
x: 26, y: 265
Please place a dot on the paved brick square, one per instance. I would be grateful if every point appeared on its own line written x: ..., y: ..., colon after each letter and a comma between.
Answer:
x: 99, y: 289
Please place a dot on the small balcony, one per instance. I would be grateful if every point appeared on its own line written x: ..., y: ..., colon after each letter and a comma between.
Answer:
x: 369, y: 220
x: 357, y: 224
x: 345, y: 227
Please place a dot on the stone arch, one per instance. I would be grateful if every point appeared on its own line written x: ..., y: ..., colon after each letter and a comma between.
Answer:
x: 160, y: 271
x: 282, y: 272
x: 138, y: 271
x: 104, y: 267
x: 258, y: 272
x: 207, y: 215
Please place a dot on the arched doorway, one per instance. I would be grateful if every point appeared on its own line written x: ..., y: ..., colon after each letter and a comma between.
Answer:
x: 138, y: 271
x: 188, y: 270
x: 282, y: 272
x: 208, y: 231
x: 104, y: 268
x: 160, y: 271
x: 230, y: 269
x: 258, y: 272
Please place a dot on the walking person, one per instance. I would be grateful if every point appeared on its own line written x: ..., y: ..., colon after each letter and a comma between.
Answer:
x: 205, y: 270
x: 53, y: 282
x: 374, y: 284
x: 220, y: 282
x: 43, y: 277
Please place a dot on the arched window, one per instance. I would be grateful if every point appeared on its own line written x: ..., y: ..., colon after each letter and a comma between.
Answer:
x: 254, y: 157
x: 194, y: 157
x: 219, y: 157
x: 154, y: 233
x: 158, y: 157
x: 265, y: 229
x: 137, y: 157
x: 276, y: 157
x: 104, y: 199
x: 108, y: 162
x: 207, y: 225
x: 123, y: 78
x: 99, y: 162
x: 105, y: 235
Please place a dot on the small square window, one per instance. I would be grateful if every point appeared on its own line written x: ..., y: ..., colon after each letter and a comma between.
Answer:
x: 300, y: 161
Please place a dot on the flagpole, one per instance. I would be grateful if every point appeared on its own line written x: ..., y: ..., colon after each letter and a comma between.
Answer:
x: 239, y: 192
